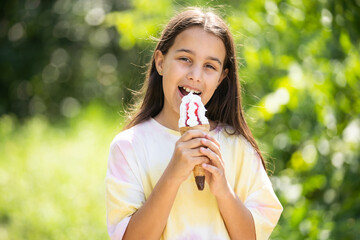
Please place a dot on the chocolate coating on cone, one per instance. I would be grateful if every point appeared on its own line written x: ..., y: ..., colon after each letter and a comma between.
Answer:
x: 200, y: 182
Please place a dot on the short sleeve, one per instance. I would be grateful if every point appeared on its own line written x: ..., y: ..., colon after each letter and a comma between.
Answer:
x: 124, y: 193
x: 261, y: 199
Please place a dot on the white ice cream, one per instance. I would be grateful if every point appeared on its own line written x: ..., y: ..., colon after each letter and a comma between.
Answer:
x: 190, y: 100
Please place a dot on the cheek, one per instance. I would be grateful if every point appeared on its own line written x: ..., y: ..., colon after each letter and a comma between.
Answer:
x: 207, y: 96
x: 166, y: 86
x: 211, y: 85
x: 213, y: 80
x: 171, y: 74
x: 213, y: 75
x: 174, y: 66
x: 170, y: 88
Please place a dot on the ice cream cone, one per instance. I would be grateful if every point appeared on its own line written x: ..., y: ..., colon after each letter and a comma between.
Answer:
x: 199, y: 172
x: 202, y: 127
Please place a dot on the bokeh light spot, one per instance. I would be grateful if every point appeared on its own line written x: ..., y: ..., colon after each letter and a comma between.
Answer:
x: 16, y: 32
x: 351, y: 133
x: 70, y: 107
x: 95, y: 16
x: 50, y: 74
x: 107, y: 63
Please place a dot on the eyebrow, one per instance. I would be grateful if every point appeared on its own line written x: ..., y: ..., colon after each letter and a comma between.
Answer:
x: 191, y: 52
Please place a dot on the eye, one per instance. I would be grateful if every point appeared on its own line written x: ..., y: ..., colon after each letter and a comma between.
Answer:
x: 185, y: 59
x: 210, y: 66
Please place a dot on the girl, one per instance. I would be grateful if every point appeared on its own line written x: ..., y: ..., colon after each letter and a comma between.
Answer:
x: 150, y: 190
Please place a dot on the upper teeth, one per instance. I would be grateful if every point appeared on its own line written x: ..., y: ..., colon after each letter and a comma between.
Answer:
x: 190, y: 90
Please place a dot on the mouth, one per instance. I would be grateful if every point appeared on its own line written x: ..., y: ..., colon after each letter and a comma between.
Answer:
x: 185, y: 91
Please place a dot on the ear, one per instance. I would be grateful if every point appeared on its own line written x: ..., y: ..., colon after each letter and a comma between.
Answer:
x: 159, y: 60
x: 223, y: 75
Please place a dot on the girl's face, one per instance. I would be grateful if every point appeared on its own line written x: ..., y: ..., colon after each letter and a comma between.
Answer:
x: 194, y: 62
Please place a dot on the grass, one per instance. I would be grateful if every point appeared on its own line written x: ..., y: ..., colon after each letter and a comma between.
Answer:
x: 52, y: 176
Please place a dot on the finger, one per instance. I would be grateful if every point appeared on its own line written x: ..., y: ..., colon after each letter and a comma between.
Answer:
x: 212, y: 169
x: 194, y: 143
x: 200, y: 160
x: 211, y: 138
x: 213, y: 147
x: 214, y: 158
x: 196, y: 152
x: 210, y: 144
x: 190, y: 134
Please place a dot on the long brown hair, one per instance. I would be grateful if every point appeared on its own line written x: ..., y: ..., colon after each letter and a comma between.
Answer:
x: 225, y: 104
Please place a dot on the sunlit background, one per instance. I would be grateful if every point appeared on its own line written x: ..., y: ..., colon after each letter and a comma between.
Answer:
x: 67, y: 71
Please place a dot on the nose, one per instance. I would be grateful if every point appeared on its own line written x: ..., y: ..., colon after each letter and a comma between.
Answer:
x: 195, y: 74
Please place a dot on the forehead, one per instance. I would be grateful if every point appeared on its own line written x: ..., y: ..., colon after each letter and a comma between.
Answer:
x: 200, y: 42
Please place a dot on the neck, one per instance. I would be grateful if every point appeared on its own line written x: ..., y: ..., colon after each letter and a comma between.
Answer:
x: 168, y: 120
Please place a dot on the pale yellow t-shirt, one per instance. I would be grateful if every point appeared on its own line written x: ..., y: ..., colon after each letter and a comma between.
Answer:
x: 138, y: 157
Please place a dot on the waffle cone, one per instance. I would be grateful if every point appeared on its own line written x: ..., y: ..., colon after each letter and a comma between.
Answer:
x: 199, y: 172
x: 202, y: 127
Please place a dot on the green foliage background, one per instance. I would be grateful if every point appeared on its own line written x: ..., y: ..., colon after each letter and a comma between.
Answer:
x: 68, y: 68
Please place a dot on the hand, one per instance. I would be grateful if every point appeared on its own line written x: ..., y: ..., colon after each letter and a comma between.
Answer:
x: 186, y: 155
x: 215, y: 170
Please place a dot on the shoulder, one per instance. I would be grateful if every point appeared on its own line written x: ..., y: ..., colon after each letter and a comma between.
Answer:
x: 130, y: 137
